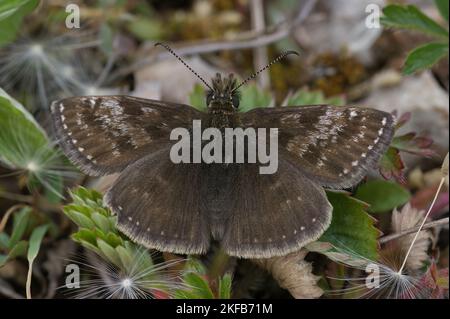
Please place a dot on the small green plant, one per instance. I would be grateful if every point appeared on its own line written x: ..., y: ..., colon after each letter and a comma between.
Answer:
x: 195, y: 276
x: 131, y: 264
x: 412, y: 18
x: 25, y: 147
x: 24, y: 240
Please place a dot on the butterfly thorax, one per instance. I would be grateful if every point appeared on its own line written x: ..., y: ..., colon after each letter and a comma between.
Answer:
x: 222, y: 102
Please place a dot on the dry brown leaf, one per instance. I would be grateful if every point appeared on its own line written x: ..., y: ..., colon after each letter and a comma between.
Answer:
x: 444, y: 169
x: 408, y: 218
x: 293, y: 273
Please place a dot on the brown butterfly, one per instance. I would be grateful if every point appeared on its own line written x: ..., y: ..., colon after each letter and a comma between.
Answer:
x: 181, y: 207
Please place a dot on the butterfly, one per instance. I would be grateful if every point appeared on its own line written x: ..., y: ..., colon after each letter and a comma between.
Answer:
x: 182, y: 207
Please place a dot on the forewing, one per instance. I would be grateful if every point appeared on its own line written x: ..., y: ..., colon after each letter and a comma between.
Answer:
x: 158, y: 206
x: 273, y: 214
x: 104, y: 134
x: 334, y: 146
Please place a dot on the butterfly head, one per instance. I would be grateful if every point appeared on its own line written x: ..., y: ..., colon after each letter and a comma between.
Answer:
x: 223, y: 93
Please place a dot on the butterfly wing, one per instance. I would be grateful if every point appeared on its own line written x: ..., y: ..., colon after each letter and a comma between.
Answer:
x: 334, y: 146
x: 158, y: 205
x: 104, y: 134
x: 273, y: 214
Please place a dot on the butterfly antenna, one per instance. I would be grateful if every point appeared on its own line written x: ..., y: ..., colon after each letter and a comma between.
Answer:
x: 254, y: 75
x: 182, y: 61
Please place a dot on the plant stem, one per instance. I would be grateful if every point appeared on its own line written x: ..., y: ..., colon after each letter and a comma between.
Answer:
x: 28, y: 284
x: 405, y: 232
x: 421, y: 226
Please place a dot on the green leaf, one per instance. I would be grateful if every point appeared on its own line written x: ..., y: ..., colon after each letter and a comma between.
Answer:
x: 86, y: 235
x: 391, y: 165
x: 199, y: 285
x: 12, y: 13
x: 3, y: 260
x: 35, y: 242
x: 306, y: 97
x: 101, y: 221
x: 442, y: 6
x: 197, y: 98
x: 351, y: 227
x: 225, y: 287
x: 19, y: 226
x: 27, y: 148
x: 113, y: 240
x: 410, y: 17
x: 146, y: 29
x: 10, y: 7
x: 195, y: 265
x: 33, y: 249
x: 110, y: 253
x: 382, y: 196
x: 13, y: 111
x: 80, y: 219
x: 125, y: 256
x: 19, y: 250
x: 252, y: 97
x: 4, y: 240
x: 424, y: 57
x: 106, y: 39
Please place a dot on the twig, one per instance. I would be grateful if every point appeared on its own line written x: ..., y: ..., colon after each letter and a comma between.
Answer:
x: 8, y: 214
x: 260, y: 53
x: 271, y: 35
x: 17, y: 197
x: 412, y: 230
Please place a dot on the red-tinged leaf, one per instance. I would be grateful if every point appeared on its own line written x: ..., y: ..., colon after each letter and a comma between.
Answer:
x: 435, y: 282
x: 402, y: 120
x: 411, y: 143
x: 442, y: 278
x: 391, y: 165
x: 158, y: 294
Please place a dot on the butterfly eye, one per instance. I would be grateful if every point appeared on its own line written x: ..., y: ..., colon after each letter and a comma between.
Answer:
x: 209, y: 98
x: 235, y: 100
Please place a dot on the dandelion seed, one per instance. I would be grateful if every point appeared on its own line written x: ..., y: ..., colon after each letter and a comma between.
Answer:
x: 391, y: 279
x: 142, y: 279
x: 47, y: 68
x: 32, y: 167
